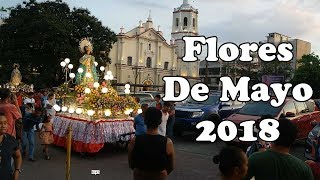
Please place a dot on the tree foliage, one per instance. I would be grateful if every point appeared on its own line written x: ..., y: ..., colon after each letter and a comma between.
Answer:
x: 39, y: 36
x: 309, y: 72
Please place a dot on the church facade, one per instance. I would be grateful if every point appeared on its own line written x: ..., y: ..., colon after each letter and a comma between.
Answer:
x: 142, y: 56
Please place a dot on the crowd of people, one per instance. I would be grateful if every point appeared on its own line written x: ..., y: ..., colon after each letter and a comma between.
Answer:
x: 21, y: 114
x: 273, y: 162
x: 151, y: 152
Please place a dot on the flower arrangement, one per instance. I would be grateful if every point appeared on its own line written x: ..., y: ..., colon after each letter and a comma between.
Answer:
x: 21, y: 87
x: 101, y: 98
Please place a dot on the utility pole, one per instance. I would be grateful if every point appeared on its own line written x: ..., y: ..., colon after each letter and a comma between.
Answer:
x: 136, y: 68
x: 207, y: 73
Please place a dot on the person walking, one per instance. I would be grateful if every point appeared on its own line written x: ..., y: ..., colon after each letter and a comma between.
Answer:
x: 46, y: 136
x: 9, y: 148
x: 165, y: 116
x: 11, y: 111
x: 277, y: 163
x: 139, y: 124
x: 151, y: 156
x: 29, y: 121
x: 171, y: 120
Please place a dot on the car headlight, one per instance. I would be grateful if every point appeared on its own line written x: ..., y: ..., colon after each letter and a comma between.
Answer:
x: 197, y: 114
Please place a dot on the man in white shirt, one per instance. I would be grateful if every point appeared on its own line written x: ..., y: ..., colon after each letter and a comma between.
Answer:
x: 29, y: 103
x: 165, y: 116
x: 49, y: 105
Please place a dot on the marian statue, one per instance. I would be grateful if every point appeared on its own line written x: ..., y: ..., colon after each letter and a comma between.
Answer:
x: 87, y: 72
x: 16, y: 75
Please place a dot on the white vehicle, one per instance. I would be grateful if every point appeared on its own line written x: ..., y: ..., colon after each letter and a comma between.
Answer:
x: 145, y: 98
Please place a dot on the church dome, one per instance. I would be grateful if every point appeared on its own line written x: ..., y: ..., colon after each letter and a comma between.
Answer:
x: 186, y: 6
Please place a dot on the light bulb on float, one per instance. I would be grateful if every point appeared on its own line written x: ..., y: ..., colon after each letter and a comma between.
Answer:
x: 109, y: 73
x: 102, y: 68
x: 104, y: 90
x: 78, y: 110
x: 139, y: 111
x: 64, y: 109
x: 87, y: 91
x: 90, y: 112
x: 96, y: 63
x: 111, y: 77
x: 127, y: 86
x: 88, y: 75
x: 80, y: 70
x: 56, y: 107
x: 71, y: 110
x: 96, y: 85
x: 126, y: 112
x: 107, y: 112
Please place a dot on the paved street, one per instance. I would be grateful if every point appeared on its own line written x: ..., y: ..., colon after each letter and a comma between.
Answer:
x: 193, y: 162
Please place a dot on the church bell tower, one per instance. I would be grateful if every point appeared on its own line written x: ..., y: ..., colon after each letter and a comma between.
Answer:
x: 185, y: 23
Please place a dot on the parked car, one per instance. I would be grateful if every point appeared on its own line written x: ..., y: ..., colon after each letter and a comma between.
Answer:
x: 301, y: 114
x: 317, y: 101
x: 144, y: 97
x: 188, y: 115
x: 312, y: 151
x: 153, y: 93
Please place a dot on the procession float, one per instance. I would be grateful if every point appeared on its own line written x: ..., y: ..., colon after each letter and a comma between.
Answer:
x: 15, y: 84
x: 94, y: 110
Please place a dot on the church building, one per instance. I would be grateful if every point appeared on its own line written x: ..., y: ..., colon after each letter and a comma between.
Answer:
x: 142, y: 57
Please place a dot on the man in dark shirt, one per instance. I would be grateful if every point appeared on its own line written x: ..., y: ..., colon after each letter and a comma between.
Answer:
x: 171, y: 120
x: 277, y: 163
x: 9, y: 148
x: 29, y: 120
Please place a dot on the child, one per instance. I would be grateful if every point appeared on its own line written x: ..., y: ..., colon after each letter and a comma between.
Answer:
x: 46, y: 135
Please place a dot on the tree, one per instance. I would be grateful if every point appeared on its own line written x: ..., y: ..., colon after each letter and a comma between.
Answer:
x: 39, y: 35
x: 309, y: 72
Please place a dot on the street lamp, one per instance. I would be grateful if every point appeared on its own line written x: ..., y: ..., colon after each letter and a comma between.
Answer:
x: 66, y: 68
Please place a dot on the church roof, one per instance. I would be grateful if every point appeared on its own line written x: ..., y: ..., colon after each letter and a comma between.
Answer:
x: 185, y: 6
x: 140, y: 31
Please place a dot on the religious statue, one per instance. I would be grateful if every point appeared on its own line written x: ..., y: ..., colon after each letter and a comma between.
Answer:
x: 16, y: 75
x: 87, y: 72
